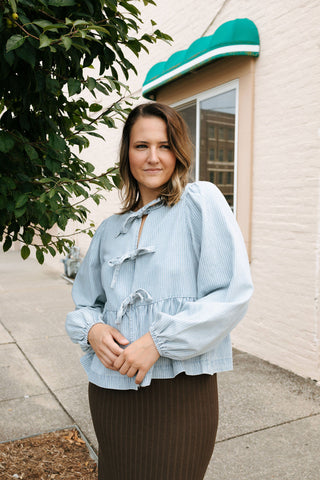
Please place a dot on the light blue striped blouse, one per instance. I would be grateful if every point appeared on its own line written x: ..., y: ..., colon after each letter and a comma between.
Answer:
x: 188, y: 282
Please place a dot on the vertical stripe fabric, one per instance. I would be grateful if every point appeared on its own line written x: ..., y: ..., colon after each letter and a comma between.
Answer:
x: 188, y: 284
x: 165, y: 431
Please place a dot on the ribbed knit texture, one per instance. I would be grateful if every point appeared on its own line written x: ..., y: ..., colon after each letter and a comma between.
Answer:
x: 187, y: 282
x: 166, y: 431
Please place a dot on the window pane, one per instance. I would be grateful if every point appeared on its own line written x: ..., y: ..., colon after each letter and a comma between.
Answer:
x: 188, y: 113
x: 212, y: 131
x: 217, y: 116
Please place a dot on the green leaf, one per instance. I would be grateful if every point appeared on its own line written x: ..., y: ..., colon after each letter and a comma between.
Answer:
x: 13, y: 5
x: 52, y: 85
x: 9, y: 58
x: 28, y: 235
x: 46, y: 238
x: 44, y: 41
x: 31, y: 152
x: 62, y: 3
x: 78, y: 140
x: 89, y: 167
x: 54, y: 27
x: 117, y: 181
x: 52, y: 165
x: 6, y: 142
x: 42, y: 23
x: 74, y: 86
x: 7, y: 244
x: 52, y: 193
x: 131, y: 9
x: 101, y: 88
x: 45, y: 180
x: 14, y: 42
x: 79, y: 22
x: 40, y: 256
x: 94, y: 134
x: 25, y: 252
x: 52, y: 250
x: 95, y: 107
x: 62, y: 222
x: 67, y: 43
x: 20, y: 211
x: 91, y: 83
x: 56, y: 142
x: 22, y: 200
x: 27, y: 53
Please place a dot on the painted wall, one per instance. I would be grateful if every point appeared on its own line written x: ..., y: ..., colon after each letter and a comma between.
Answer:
x: 283, y: 322
x: 282, y: 325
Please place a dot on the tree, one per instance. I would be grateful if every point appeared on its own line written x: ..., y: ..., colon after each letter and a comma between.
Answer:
x: 47, y: 48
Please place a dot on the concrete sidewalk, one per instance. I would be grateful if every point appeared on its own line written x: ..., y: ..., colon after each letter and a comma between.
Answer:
x: 269, y: 418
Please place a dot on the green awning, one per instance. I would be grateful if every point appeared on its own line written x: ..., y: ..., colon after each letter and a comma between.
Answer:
x: 236, y: 37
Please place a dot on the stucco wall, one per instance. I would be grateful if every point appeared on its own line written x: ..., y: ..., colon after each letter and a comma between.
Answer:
x: 283, y: 323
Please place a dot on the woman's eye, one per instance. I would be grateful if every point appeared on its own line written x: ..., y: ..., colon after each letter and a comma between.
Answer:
x: 166, y: 147
x: 141, y: 147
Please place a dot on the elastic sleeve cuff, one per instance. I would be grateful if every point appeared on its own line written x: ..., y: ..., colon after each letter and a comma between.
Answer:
x: 159, y: 341
x: 78, y: 324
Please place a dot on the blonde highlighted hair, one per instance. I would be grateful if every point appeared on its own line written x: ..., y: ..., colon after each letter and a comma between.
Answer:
x: 180, y: 144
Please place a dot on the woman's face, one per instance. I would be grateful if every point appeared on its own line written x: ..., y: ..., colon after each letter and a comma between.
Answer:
x: 151, y: 160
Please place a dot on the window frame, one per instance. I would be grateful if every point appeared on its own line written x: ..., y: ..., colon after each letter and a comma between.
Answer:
x: 205, y: 95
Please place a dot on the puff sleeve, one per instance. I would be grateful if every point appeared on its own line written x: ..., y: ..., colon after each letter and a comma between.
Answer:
x: 88, y: 295
x: 224, y: 284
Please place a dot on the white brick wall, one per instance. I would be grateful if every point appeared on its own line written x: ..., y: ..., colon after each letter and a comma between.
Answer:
x: 283, y: 321
x: 282, y: 325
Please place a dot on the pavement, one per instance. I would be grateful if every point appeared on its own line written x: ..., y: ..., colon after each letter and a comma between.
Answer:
x: 269, y: 418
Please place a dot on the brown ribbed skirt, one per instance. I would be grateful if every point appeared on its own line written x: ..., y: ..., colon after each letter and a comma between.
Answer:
x: 165, y: 431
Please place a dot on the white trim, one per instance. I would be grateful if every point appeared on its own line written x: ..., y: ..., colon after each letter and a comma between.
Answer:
x: 197, y: 61
x: 200, y: 97
x: 235, y: 179
x: 197, y: 155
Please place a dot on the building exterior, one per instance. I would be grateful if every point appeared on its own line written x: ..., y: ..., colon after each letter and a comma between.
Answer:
x: 255, y: 119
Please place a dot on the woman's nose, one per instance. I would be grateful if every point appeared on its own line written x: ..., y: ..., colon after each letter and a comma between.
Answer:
x: 153, y: 157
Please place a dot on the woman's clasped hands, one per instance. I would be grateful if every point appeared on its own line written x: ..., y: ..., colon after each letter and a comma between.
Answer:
x: 136, y: 359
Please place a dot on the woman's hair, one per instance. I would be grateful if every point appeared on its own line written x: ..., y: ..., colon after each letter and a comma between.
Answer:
x: 180, y: 144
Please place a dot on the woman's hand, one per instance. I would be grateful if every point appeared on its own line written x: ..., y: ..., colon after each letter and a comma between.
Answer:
x: 105, y: 341
x: 137, y: 358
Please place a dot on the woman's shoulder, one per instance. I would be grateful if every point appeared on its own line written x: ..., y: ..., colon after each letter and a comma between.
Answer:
x: 201, y: 192
x: 106, y: 225
x: 205, y: 200
x: 111, y: 224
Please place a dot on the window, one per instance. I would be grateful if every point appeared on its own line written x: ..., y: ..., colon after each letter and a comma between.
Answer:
x: 191, y: 95
x: 211, y: 132
x: 211, y: 154
x: 212, y: 120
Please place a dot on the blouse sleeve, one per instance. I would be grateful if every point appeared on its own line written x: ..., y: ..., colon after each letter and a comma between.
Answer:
x: 88, y: 295
x: 223, y: 279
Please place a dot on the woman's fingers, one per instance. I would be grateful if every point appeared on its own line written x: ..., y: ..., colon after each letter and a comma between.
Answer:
x: 119, y: 337
x: 105, y: 340
x: 137, y: 358
x: 128, y: 370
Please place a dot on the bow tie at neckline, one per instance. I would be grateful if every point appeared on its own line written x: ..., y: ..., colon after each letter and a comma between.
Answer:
x: 145, y: 210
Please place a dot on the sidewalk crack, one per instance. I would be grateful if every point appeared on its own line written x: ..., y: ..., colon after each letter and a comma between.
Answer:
x: 288, y: 422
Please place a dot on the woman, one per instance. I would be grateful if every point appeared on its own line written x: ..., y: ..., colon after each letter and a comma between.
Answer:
x: 157, y: 294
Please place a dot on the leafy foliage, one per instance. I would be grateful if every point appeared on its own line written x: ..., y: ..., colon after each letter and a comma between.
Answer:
x: 47, y: 48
